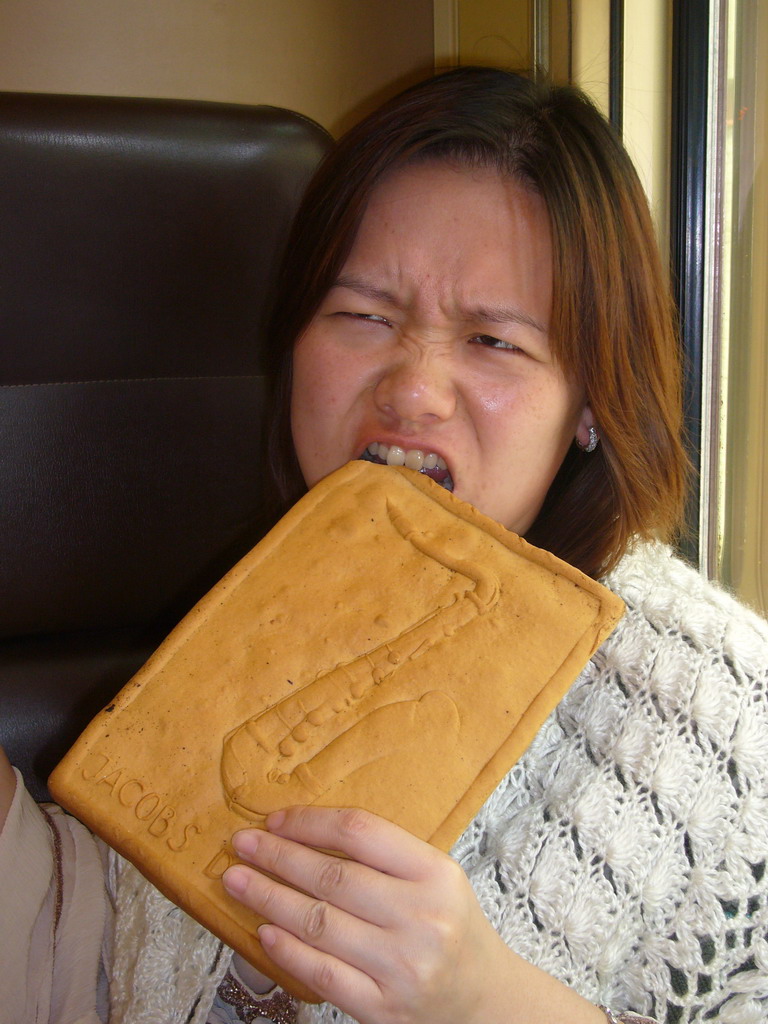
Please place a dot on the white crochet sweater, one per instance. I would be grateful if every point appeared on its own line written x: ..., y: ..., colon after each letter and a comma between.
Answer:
x: 626, y: 852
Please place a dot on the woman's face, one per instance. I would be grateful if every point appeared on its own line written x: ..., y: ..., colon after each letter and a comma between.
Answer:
x: 434, y: 344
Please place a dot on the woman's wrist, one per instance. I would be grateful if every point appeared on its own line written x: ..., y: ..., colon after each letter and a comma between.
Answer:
x: 526, y: 994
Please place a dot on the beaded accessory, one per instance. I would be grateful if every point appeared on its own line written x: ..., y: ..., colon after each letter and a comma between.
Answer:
x: 591, y: 444
x: 280, y: 1008
x: 628, y: 1017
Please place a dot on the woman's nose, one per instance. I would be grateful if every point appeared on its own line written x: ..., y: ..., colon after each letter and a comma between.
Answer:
x: 416, y: 389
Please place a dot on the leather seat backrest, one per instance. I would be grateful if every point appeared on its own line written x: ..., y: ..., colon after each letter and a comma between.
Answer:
x: 138, y: 246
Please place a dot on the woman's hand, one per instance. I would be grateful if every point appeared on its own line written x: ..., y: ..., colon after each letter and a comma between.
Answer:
x: 385, y: 935
x: 392, y: 933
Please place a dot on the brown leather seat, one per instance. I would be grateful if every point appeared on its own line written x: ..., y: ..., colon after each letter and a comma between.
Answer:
x: 139, y: 241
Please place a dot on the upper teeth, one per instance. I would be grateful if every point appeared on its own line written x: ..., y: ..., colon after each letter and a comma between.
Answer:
x: 414, y: 458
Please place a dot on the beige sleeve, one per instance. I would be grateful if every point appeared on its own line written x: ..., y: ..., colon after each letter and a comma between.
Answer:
x: 54, y: 915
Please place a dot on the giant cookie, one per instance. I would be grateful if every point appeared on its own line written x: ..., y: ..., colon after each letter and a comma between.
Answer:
x: 385, y: 646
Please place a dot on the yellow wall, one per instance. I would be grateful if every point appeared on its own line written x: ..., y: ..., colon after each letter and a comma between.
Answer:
x: 591, y: 49
x: 330, y: 59
x: 495, y: 32
x: 502, y: 33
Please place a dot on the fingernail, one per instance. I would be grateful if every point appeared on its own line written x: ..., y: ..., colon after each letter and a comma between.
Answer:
x: 275, y: 820
x: 266, y: 935
x: 235, y: 880
x: 246, y: 842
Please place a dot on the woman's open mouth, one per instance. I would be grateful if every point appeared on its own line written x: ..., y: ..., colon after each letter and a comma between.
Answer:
x: 428, y: 463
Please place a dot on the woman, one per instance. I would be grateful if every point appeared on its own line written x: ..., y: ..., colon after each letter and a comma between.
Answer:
x: 472, y: 288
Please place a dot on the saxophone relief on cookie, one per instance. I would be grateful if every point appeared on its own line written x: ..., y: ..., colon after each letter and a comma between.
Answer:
x: 296, y: 750
x: 335, y: 726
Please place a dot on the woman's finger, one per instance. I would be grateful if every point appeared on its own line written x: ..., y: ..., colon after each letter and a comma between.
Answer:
x: 327, y: 976
x: 355, y: 888
x: 358, y: 834
x: 313, y: 922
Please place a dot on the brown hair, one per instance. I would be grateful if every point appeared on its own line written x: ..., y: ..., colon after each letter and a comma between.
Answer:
x: 612, y: 326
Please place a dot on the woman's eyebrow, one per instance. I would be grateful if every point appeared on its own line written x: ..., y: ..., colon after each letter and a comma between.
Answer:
x: 367, y: 290
x: 505, y: 315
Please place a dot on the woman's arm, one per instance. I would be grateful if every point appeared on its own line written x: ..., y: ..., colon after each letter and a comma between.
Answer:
x: 7, y: 787
x: 53, y: 910
x: 392, y: 932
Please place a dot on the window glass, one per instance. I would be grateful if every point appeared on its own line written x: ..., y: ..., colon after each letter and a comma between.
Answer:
x: 740, y: 303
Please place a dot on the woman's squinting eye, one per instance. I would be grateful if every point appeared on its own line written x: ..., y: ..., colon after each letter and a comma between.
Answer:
x: 373, y: 318
x: 490, y: 342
